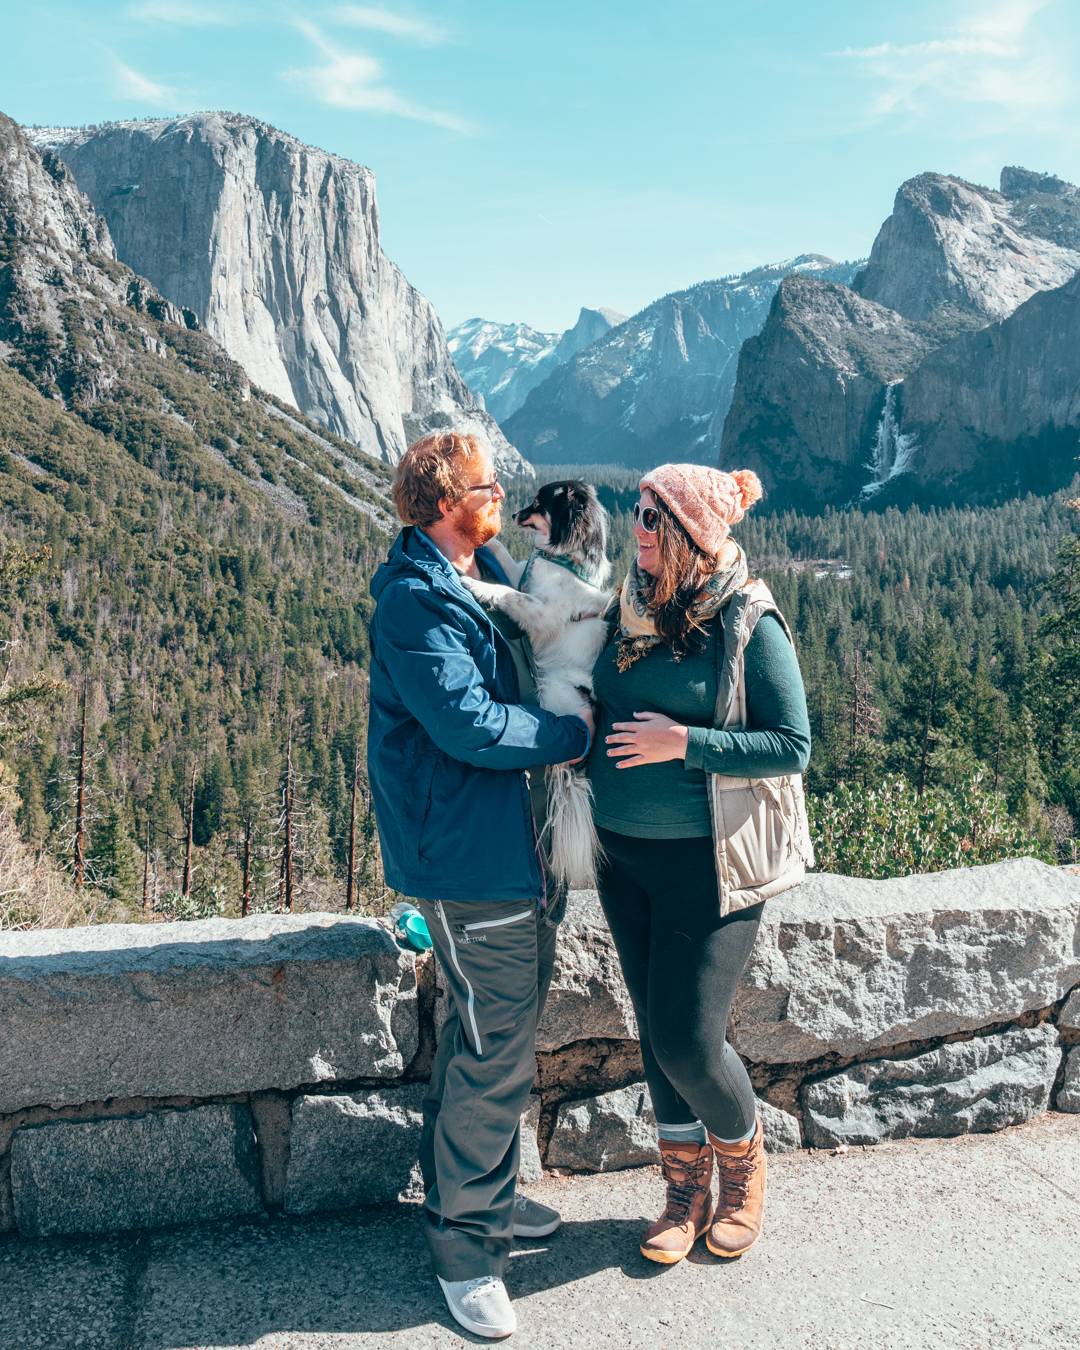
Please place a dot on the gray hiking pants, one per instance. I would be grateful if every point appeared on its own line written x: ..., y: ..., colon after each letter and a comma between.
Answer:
x: 496, y: 960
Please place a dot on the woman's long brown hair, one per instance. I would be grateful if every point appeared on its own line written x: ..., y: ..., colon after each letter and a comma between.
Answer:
x: 675, y: 597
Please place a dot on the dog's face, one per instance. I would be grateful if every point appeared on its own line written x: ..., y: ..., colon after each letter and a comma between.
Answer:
x: 566, y: 517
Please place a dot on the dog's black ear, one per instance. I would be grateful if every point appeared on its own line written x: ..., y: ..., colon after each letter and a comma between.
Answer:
x: 583, y: 531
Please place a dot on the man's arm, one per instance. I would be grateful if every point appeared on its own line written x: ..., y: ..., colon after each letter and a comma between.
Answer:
x: 427, y: 658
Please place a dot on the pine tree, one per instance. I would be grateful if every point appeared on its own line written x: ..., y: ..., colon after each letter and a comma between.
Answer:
x: 114, y: 858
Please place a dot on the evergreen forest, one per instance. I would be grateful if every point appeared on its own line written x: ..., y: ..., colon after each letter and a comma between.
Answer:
x: 183, y: 706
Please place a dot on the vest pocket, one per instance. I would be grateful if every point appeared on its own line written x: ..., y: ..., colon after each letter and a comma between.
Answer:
x: 758, y: 822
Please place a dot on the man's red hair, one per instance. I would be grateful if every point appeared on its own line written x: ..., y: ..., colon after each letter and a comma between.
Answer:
x: 434, y: 469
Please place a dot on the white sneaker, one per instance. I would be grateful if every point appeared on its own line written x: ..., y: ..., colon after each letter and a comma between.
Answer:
x: 532, y: 1219
x: 482, y: 1306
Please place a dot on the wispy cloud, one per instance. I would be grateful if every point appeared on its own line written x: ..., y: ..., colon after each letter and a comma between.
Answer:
x: 180, y: 13
x: 354, y: 80
x: 132, y: 84
x: 389, y: 21
x: 990, y: 58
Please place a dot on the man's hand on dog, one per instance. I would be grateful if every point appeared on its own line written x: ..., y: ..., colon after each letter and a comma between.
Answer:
x: 650, y: 739
x: 586, y: 715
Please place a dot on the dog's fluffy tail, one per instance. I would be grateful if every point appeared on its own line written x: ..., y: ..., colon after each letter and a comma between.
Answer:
x: 575, y: 846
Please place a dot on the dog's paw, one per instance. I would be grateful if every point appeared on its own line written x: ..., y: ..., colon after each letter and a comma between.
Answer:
x: 483, y: 591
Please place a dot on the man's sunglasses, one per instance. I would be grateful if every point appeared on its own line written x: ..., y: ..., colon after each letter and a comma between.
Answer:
x: 648, y: 517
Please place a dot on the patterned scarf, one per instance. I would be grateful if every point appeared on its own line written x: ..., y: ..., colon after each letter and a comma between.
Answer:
x: 637, y: 629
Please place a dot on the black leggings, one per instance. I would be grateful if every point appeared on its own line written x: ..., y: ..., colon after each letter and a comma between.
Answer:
x: 681, y: 962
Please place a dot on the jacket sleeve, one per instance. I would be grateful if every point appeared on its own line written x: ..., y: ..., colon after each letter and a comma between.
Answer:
x: 426, y: 656
x: 776, y: 739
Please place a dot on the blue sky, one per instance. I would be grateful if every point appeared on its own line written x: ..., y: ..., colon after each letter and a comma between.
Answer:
x: 531, y: 158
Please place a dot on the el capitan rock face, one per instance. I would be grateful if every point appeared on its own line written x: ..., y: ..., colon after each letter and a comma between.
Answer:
x: 82, y: 330
x: 275, y: 246
x: 57, y: 256
x: 658, y: 386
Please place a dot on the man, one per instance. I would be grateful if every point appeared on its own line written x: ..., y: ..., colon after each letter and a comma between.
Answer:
x: 448, y: 744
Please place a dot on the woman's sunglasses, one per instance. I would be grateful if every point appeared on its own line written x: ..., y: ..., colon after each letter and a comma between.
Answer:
x: 648, y: 517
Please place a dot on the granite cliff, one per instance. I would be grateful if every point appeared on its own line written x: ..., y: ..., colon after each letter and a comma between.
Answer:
x: 658, y: 386
x: 966, y: 254
x: 994, y: 412
x: 935, y: 376
x: 275, y: 246
x: 809, y: 391
x: 106, y: 383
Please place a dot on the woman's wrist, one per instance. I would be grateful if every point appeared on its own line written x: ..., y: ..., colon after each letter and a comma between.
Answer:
x: 682, y: 735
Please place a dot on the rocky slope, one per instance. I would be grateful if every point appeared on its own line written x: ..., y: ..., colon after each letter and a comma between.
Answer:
x: 832, y: 403
x: 502, y: 362
x: 658, y: 386
x: 275, y: 246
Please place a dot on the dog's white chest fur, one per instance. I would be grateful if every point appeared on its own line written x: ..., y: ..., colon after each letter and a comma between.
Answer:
x: 562, y: 615
x: 565, y: 652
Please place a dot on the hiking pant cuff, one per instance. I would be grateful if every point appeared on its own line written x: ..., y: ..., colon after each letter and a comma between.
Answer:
x: 459, y: 1255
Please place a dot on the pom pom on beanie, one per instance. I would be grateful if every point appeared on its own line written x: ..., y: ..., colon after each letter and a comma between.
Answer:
x: 706, y: 502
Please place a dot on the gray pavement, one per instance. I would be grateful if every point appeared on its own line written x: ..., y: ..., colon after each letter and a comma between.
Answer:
x: 967, y: 1242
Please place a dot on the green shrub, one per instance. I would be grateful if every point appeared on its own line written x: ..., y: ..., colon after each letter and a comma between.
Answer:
x: 888, y: 830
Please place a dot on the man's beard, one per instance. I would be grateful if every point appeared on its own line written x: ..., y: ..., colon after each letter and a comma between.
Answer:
x: 477, y: 527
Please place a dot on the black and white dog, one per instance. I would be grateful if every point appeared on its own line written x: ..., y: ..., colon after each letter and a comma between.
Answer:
x: 559, y: 605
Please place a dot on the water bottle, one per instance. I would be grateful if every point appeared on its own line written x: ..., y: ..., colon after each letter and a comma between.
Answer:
x: 410, y: 926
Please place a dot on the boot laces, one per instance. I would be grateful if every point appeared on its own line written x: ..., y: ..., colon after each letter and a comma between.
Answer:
x: 734, y: 1180
x: 685, y: 1181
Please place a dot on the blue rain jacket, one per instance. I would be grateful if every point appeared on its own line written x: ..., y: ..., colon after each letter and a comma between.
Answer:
x: 448, y: 742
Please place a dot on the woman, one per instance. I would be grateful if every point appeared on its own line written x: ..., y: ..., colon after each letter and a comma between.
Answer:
x: 682, y: 932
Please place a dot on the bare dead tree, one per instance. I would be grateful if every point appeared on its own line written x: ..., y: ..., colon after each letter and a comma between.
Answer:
x: 864, y: 719
x: 927, y: 736
x: 146, y: 866
x: 350, y: 885
x: 79, y: 855
x: 245, y: 898
x: 285, y: 876
x: 189, y: 843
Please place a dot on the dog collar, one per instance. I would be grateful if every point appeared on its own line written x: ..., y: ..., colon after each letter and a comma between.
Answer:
x: 552, y: 558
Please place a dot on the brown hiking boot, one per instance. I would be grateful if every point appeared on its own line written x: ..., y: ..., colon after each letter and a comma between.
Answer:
x: 741, y: 1170
x: 687, y: 1169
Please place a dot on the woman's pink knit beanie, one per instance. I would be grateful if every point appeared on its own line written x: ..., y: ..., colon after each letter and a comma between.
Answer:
x: 706, y: 501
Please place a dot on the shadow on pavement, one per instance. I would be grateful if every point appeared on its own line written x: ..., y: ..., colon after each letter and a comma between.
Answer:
x: 231, y: 1283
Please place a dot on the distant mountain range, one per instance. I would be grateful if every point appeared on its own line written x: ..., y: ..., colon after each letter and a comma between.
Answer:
x: 945, y: 367
x: 658, y: 386
x: 949, y: 370
x: 274, y: 246
x: 503, y: 361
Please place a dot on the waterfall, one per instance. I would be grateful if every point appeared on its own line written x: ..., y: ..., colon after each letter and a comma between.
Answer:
x: 893, y: 448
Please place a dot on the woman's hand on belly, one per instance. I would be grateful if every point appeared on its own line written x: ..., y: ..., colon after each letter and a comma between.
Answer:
x: 650, y: 739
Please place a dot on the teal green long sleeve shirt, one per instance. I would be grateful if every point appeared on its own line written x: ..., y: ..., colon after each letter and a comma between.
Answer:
x: 670, y: 800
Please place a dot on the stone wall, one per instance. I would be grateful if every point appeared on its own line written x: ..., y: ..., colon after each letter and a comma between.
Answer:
x: 165, y: 1073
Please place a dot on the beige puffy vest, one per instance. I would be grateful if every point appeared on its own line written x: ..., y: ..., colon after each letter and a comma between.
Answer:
x: 760, y: 829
